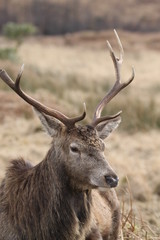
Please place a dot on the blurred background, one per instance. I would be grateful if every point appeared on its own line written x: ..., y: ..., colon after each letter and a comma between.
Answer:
x: 63, y: 46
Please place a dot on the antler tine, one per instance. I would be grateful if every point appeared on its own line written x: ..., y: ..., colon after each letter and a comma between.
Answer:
x: 68, y: 122
x: 117, y: 87
x: 117, y: 61
x: 18, y: 79
x: 121, y: 51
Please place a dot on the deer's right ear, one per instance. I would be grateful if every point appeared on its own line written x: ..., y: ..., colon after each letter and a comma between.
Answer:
x: 50, y: 124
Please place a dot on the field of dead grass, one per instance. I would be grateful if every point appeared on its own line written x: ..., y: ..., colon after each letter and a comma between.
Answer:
x: 64, y: 72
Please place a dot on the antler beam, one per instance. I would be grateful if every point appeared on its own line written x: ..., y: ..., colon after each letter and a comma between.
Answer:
x: 68, y: 122
x: 117, y: 87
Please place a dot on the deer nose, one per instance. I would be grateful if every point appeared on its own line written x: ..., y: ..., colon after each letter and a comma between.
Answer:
x: 112, y: 181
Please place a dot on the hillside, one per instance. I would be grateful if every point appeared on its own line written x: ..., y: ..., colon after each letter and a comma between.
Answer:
x: 59, y: 17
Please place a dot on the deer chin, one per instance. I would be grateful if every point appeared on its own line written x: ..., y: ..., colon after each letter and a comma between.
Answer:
x: 98, y: 183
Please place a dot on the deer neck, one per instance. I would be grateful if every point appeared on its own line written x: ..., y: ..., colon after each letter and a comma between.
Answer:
x: 71, y: 202
x: 59, y: 180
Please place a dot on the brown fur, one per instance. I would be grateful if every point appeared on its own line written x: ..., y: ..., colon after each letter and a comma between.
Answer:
x: 55, y: 200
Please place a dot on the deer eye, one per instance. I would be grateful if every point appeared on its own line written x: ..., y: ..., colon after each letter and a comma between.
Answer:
x: 74, y: 148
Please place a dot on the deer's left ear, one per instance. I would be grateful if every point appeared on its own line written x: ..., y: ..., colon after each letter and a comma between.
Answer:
x: 105, y: 128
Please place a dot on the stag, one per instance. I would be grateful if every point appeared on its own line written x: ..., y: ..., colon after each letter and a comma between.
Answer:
x: 70, y: 194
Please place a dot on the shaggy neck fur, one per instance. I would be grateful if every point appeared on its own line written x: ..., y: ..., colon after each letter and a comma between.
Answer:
x: 42, y: 203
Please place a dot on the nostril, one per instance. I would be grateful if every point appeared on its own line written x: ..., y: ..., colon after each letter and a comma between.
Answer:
x: 112, y: 181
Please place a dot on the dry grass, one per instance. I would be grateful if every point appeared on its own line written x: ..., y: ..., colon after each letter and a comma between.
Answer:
x: 133, y: 227
x: 64, y: 74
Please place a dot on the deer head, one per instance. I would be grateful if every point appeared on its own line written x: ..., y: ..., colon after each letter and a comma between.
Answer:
x: 80, y: 149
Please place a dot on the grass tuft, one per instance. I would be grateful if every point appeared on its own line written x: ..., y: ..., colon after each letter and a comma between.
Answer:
x: 133, y: 227
x: 8, y: 54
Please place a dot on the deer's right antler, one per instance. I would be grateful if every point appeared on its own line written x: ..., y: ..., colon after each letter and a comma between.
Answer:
x: 68, y: 122
x: 118, y: 86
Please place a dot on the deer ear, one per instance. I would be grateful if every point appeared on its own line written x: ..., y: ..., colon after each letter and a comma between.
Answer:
x: 105, y: 128
x: 50, y: 124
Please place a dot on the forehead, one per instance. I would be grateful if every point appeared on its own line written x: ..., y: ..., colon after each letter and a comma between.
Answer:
x: 88, y: 135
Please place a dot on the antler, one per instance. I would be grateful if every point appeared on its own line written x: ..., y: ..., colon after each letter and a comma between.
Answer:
x: 118, y: 86
x: 69, y: 122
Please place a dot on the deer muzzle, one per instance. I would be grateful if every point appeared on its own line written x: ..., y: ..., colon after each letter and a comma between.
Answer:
x: 112, y: 180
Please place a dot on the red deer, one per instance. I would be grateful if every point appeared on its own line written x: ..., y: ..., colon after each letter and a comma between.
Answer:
x: 70, y: 194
